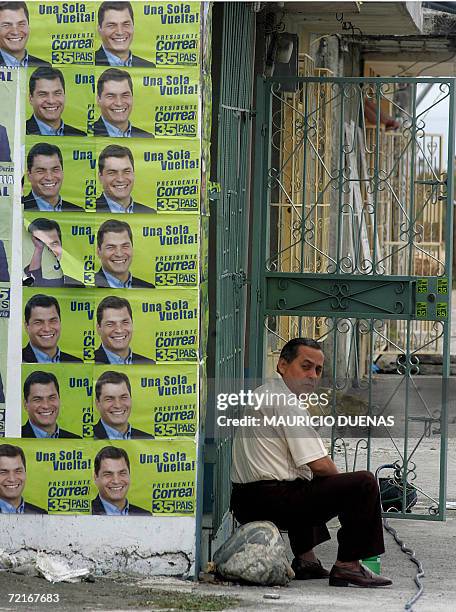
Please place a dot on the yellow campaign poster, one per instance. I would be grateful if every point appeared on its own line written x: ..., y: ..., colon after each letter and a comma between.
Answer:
x: 139, y: 33
x: 154, y: 326
x: 73, y: 477
x: 163, y: 400
x: 147, y: 251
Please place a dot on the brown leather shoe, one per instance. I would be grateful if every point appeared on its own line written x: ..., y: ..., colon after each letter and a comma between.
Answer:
x: 342, y: 577
x: 308, y: 570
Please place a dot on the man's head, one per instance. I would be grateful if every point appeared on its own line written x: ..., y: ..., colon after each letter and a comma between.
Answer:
x: 115, y: 324
x: 47, y: 231
x: 14, y: 28
x: 116, y: 171
x: 45, y: 171
x: 42, y: 400
x: 115, y: 96
x: 47, y: 94
x: 112, y: 475
x: 12, y: 473
x: 301, y: 364
x: 113, y: 399
x: 42, y: 322
x: 116, y: 27
x: 115, y: 248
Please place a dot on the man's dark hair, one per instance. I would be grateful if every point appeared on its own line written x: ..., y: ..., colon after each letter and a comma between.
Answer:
x: 39, y: 378
x: 111, y: 378
x: 114, y: 151
x: 113, y: 225
x: 40, y: 301
x: 43, y: 148
x: 290, y: 350
x: 110, y: 452
x: 45, y: 225
x: 14, y: 6
x: 113, y: 6
x: 8, y: 450
x: 115, y: 302
x: 48, y: 73
x: 113, y: 74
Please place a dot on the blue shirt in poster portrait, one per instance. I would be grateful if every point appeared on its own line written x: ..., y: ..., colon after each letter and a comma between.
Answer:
x: 115, y: 283
x: 113, y: 509
x: 40, y: 433
x: 115, y: 207
x: 114, y: 60
x: 115, y: 131
x: 117, y: 359
x: 13, y: 62
x: 44, y: 205
x: 114, y: 434
x: 7, y: 508
x: 42, y: 357
x: 47, y: 130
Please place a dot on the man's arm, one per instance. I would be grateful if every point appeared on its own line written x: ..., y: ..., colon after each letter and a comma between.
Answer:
x: 323, y: 467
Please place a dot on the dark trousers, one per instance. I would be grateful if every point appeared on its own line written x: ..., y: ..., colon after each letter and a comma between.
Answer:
x: 303, y: 507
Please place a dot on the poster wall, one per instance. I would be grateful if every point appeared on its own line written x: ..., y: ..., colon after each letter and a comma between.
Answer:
x: 112, y: 258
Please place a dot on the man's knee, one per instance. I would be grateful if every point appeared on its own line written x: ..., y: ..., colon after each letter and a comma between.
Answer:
x: 367, y: 481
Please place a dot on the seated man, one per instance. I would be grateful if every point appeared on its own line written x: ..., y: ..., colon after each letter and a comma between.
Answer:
x: 116, y: 171
x: 116, y: 29
x: 115, y: 252
x: 282, y: 473
x: 45, y: 173
x: 42, y: 404
x: 115, y: 100
x: 113, y: 402
x: 12, y: 482
x: 112, y: 478
x: 47, y: 98
x: 115, y: 328
x: 43, y: 327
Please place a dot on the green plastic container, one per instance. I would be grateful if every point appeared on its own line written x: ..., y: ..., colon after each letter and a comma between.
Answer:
x: 373, y: 563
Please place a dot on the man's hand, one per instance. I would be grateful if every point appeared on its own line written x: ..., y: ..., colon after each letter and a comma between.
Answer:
x: 323, y: 467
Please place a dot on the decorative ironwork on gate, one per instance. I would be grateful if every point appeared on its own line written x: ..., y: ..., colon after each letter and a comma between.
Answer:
x: 353, y: 246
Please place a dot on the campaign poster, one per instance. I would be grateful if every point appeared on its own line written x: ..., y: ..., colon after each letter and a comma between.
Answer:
x: 8, y: 88
x: 62, y: 33
x: 162, y: 475
x: 166, y: 173
x: 77, y: 178
x: 72, y: 404
x: 65, y: 314
x: 162, y: 103
x: 163, y: 398
x: 164, y: 323
x: 65, y: 94
x: 3, y: 365
x: 158, y: 251
x: 167, y: 33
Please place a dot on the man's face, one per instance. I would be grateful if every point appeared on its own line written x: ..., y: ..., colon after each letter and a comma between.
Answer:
x: 12, y: 478
x: 303, y: 373
x: 43, y: 405
x: 43, y: 327
x: 116, y: 101
x: 117, y: 178
x: 46, y: 176
x: 115, y: 329
x: 51, y: 239
x: 116, y: 253
x: 114, y: 404
x: 116, y: 31
x: 113, y: 480
x: 48, y: 99
x: 14, y: 31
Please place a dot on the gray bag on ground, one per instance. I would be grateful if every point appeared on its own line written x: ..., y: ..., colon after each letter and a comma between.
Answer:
x: 255, y: 553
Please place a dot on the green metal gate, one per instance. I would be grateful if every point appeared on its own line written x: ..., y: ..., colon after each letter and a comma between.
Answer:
x: 353, y: 245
